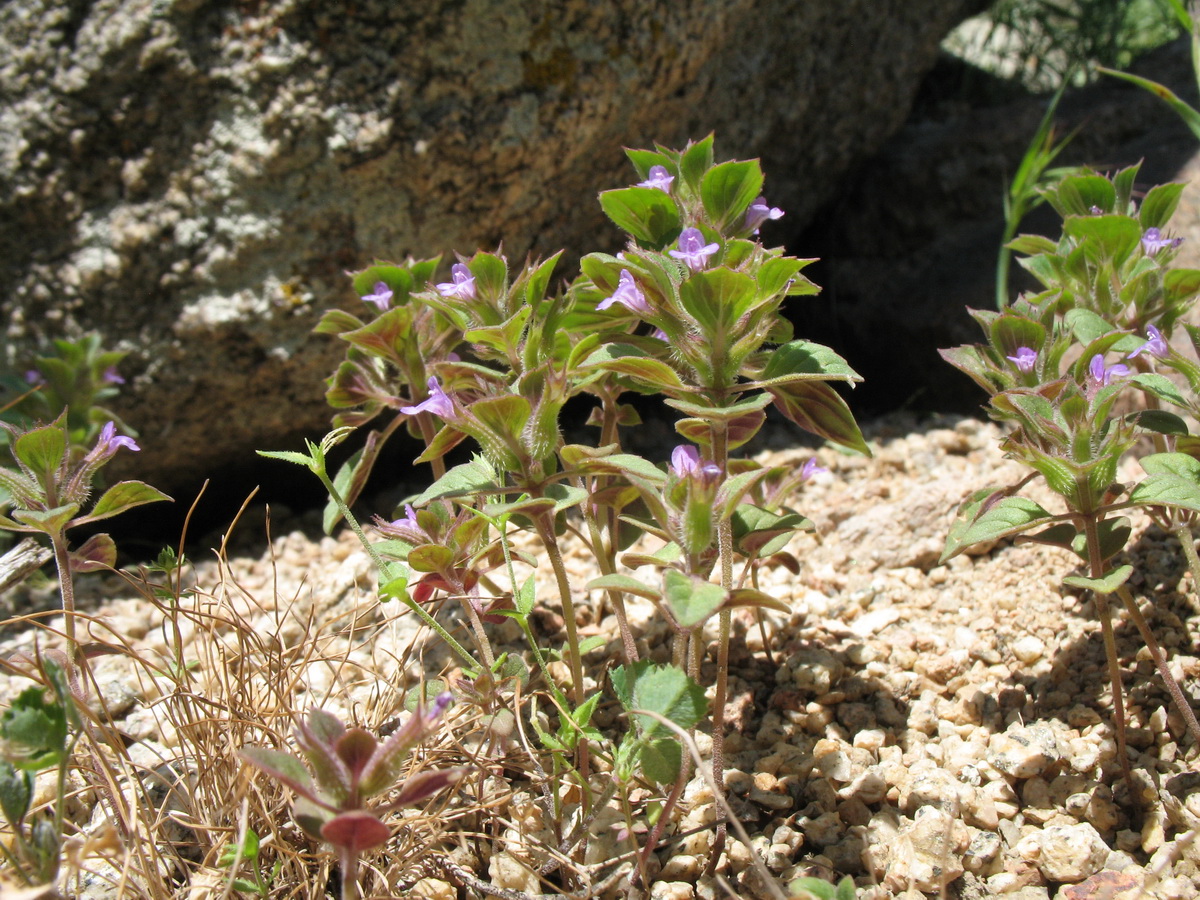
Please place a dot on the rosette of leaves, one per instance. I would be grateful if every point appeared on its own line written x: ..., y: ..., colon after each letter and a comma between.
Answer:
x: 347, y: 767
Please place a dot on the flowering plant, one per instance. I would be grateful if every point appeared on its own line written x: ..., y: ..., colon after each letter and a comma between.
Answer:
x: 1060, y: 365
x: 690, y: 310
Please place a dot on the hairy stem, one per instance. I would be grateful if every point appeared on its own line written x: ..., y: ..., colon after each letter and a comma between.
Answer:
x: 1091, y: 526
x: 66, y: 586
x: 545, y: 529
x: 1187, y: 542
x: 1160, y: 662
x: 725, y: 546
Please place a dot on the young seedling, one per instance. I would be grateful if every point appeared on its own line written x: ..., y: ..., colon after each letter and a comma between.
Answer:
x: 349, y: 767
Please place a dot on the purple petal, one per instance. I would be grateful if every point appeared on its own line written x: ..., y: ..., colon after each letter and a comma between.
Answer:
x: 381, y: 297
x: 1024, y: 359
x: 810, y: 468
x: 438, y: 402
x: 658, y: 177
x: 462, y: 286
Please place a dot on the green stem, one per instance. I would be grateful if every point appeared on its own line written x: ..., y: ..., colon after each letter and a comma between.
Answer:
x: 1187, y: 541
x: 1091, y: 530
x: 385, y: 571
x: 545, y: 529
x: 725, y: 546
x: 1160, y: 662
x: 66, y: 586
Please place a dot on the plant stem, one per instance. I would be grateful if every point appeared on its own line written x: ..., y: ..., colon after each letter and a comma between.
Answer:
x: 385, y: 572
x: 1160, y: 662
x: 350, y: 887
x: 1091, y: 526
x: 66, y: 586
x: 725, y: 546
x: 545, y: 529
x: 1187, y: 541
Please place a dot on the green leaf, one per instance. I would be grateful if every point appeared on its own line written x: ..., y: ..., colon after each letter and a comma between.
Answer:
x: 695, y: 161
x: 16, y: 792
x: 661, y: 759
x: 1189, y: 115
x: 818, y: 408
x: 1006, y: 517
x: 691, y: 600
x: 36, y: 731
x: 806, y: 358
x: 1160, y: 422
x: 48, y: 521
x: 1180, y: 464
x: 626, y: 584
x: 299, y: 459
x: 625, y: 359
x: 1161, y: 387
x: 430, y: 558
x: 740, y: 598
x: 1104, y: 238
x: 1106, y: 585
x: 1167, y: 490
x: 717, y: 299
x: 42, y: 450
x: 1159, y: 204
x: 649, y: 215
x: 760, y: 532
x: 728, y: 189
x: 122, y: 496
x: 467, y: 479
x: 665, y: 690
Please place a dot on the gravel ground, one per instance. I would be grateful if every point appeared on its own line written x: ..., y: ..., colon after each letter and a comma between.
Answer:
x: 936, y: 730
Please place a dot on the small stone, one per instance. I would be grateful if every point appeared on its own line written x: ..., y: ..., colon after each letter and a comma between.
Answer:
x: 434, y: 889
x: 681, y: 867
x: 928, y: 853
x: 1028, y: 649
x: 984, y: 847
x: 1106, y: 884
x: 1023, y: 751
x: 506, y: 871
x: 1071, y: 853
x: 672, y: 890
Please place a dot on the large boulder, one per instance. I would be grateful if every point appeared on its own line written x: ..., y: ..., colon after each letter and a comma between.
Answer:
x: 191, y: 179
x: 912, y: 239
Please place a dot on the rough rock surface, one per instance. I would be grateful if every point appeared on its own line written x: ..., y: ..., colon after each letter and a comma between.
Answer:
x: 191, y: 179
x: 914, y: 235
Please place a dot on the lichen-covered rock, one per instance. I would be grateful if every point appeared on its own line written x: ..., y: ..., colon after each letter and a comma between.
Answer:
x: 192, y: 179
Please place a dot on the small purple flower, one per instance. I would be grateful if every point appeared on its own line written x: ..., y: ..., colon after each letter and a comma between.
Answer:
x: 109, y: 442
x: 382, y: 296
x: 627, y: 294
x: 1153, y: 241
x: 659, y: 178
x: 759, y: 212
x: 406, y: 529
x: 34, y: 377
x: 1024, y: 359
x: 112, y: 376
x: 686, y: 463
x: 463, y: 285
x: 692, y: 249
x: 1155, y: 346
x: 660, y: 334
x: 438, y: 402
x: 1101, y: 376
x: 810, y: 468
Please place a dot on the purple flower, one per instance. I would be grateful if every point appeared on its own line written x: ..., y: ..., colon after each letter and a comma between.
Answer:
x: 1101, y: 376
x: 659, y: 178
x: 109, y: 442
x: 1153, y: 241
x: 463, y: 285
x: 1024, y: 359
x: 112, y: 376
x: 760, y: 212
x: 810, y: 468
x: 686, y: 463
x: 34, y: 377
x: 692, y: 249
x: 1156, y: 346
x: 660, y: 334
x: 438, y: 402
x: 382, y: 297
x: 406, y: 529
x: 627, y: 294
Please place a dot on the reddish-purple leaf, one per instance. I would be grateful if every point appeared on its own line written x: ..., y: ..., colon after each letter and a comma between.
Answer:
x: 355, y: 831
